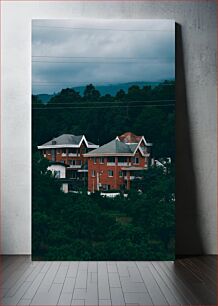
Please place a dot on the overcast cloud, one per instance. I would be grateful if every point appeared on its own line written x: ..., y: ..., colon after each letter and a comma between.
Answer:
x: 69, y: 53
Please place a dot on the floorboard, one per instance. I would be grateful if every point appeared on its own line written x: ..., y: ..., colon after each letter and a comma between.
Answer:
x: 187, y: 281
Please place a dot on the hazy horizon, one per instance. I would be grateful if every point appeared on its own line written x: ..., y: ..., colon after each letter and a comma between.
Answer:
x: 106, y: 87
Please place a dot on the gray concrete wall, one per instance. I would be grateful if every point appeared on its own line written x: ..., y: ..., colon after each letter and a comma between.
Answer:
x: 196, y: 113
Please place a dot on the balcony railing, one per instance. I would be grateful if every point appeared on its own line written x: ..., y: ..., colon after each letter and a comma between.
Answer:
x: 124, y: 164
x: 76, y: 166
x: 73, y: 154
x: 131, y: 178
x: 70, y: 154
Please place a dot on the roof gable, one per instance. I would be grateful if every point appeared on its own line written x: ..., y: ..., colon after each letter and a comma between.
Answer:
x: 133, y: 146
x: 129, y: 137
x: 139, y: 150
x: 67, y: 140
x: 64, y: 139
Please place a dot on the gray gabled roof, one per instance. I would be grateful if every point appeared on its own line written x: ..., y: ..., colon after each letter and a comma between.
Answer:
x: 91, y: 143
x: 66, y: 140
x: 113, y: 147
x: 133, y: 146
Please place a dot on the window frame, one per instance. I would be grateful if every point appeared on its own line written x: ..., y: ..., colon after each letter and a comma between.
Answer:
x: 111, y: 161
x: 111, y: 172
x: 72, y: 162
x: 57, y: 174
x: 72, y: 151
x: 75, y: 176
x: 101, y: 160
x: 136, y: 158
x: 122, y: 159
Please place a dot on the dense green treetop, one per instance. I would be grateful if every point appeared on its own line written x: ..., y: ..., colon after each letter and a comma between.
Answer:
x: 148, y: 111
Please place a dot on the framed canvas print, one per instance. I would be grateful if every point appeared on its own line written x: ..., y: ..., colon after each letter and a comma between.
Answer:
x: 103, y: 139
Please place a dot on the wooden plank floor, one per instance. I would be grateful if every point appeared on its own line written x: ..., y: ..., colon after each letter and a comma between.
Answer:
x: 187, y: 281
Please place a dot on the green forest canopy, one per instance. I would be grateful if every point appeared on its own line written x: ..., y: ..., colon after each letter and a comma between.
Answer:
x: 91, y: 227
x: 148, y: 111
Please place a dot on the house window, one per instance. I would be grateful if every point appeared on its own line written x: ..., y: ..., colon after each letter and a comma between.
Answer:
x: 101, y: 160
x: 95, y: 160
x: 110, y: 173
x: 73, y: 151
x: 111, y: 159
x: 122, y: 159
x: 106, y: 187
x: 49, y: 152
x: 83, y: 150
x: 121, y: 174
x: 136, y: 160
x: 53, y: 154
x: 79, y: 162
x: 64, y: 151
x: 57, y: 174
x: 93, y: 173
x: 73, y: 174
x: 72, y: 162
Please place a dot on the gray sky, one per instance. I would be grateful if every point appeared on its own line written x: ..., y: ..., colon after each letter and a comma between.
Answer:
x: 69, y: 53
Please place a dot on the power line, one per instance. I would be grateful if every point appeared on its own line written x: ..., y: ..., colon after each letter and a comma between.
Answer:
x: 115, y: 102
x: 93, y: 62
x: 103, y: 29
x: 102, y: 57
x: 103, y: 83
x: 100, y: 107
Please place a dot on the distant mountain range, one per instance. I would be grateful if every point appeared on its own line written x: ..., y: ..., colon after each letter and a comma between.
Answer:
x: 111, y: 89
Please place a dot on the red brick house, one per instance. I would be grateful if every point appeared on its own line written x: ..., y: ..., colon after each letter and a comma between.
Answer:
x: 69, y: 150
x: 114, y: 165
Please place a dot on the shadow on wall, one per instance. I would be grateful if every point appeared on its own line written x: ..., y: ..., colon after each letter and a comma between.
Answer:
x: 188, y: 233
